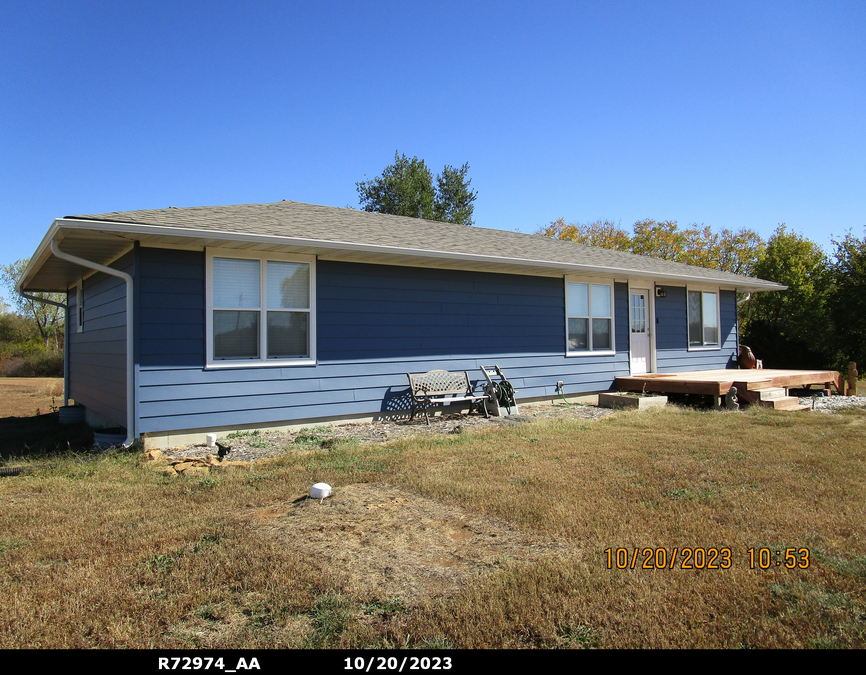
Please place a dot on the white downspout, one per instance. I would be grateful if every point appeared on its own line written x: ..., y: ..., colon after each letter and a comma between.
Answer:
x: 740, y: 302
x: 130, y: 356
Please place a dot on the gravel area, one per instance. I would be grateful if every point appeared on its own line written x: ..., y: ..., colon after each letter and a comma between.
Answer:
x: 250, y: 446
x: 830, y: 404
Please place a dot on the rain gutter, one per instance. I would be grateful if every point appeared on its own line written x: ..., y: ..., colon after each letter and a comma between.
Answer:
x: 130, y: 356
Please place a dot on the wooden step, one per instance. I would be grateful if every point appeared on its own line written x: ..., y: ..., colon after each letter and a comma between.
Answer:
x: 784, y: 403
x: 772, y: 393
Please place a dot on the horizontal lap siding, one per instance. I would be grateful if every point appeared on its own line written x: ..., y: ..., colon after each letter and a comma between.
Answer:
x: 171, y: 298
x: 373, y: 311
x: 375, y: 323
x: 97, y: 355
x: 672, y: 337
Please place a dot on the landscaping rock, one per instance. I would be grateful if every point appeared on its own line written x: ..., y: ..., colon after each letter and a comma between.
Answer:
x: 830, y: 404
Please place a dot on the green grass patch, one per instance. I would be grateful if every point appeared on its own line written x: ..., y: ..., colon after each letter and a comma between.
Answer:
x: 331, y: 616
x: 580, y: 636
x: 850, y: 566
x: 8, y: 544
x: 244, y: 434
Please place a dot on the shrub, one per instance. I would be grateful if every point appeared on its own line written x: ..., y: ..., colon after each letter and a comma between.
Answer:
x: 43, y: 364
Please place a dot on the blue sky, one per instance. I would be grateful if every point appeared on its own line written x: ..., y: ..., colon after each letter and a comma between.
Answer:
x: 729, y: 114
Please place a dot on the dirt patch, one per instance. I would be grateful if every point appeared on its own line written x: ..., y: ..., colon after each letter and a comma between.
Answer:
x: 392, y: 543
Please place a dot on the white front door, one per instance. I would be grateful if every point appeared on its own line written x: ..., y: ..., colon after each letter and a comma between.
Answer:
x: 639, y: 322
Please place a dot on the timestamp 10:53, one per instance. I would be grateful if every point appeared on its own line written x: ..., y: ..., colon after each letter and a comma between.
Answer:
x: 699, y: 558
x: 790, y: 558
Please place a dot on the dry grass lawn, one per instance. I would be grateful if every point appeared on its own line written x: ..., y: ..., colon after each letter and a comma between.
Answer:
x: 487, y: 540
x: 27, y: 396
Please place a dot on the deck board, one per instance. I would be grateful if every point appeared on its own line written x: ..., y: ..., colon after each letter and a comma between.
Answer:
x: 719, y: 382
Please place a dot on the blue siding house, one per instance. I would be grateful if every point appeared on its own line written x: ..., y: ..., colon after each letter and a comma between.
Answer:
x: 184, y: 321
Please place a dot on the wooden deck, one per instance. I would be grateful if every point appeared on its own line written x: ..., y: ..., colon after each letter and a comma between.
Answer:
x: 719, y: 382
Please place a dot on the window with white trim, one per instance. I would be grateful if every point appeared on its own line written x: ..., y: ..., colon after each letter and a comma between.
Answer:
x: 261, y: 309
x: 589, y: 317
x: 703, y: 311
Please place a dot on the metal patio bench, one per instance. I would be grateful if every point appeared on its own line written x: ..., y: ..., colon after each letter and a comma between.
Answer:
x: 442, y: 386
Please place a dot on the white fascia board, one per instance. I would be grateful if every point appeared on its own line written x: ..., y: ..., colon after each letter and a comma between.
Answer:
x: 38, y: 258
x: 565, y: 267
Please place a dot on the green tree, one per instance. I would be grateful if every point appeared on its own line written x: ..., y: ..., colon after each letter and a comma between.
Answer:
x: 847, y: 301
x: 406, y: 188
x: 791, y: 329
x: 48, y: 318
x: 454, y: 197
x: 738, y: 252
x: 16, y: 330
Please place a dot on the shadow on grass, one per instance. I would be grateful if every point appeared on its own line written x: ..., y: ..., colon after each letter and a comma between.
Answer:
x: 41, y: 436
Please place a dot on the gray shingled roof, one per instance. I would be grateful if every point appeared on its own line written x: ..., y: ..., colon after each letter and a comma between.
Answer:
x: 350, y: 226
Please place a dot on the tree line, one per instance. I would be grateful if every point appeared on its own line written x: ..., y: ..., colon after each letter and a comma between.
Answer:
x: 31, y: 337
x: 819, y: 322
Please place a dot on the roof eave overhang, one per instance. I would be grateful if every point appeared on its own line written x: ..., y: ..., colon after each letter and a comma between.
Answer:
x: 143, y: 232
x: 43, y: 252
